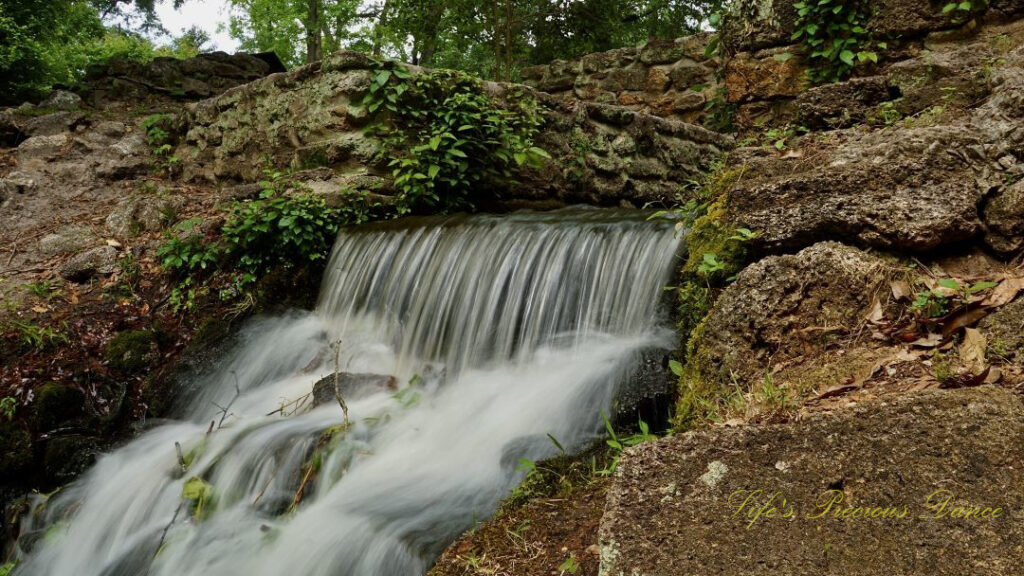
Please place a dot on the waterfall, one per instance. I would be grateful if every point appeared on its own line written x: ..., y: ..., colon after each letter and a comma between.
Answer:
x: 499, y: 330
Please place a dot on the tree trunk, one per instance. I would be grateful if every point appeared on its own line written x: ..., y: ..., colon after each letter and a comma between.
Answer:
x: 379, y: 28
x: 314, y: 38
x: 430, y: 31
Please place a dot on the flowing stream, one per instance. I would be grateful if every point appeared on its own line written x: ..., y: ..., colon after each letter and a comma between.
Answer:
x: 499, y: 331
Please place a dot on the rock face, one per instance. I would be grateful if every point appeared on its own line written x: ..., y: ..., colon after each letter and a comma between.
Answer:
x: 782, y: 306
x: 191, y: 79
x: 314, y: 117
x: 677, y: 505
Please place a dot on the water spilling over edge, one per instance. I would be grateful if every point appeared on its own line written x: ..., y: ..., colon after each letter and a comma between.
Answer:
x: 501, y: 330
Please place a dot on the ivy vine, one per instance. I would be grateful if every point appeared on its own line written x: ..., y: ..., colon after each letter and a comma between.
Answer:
x: 836, y: 37
x: 444, y: 136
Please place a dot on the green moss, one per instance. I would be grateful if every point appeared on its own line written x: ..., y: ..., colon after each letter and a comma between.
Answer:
x: 713, y: 233
x: 560, y: 476
x: 15, y: 451
x: 132, y: 351
x: 56, y: 404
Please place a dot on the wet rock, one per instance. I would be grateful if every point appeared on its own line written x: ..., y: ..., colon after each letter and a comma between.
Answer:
x: 62, y: 100
x: 1004, y: 220
x: 132, y: 351
x: 648, y: 394
x: 100, y: 261
x: 67, y: 457
x: 55, y: 405
x: 351, y: 386
x: 777, y: 307
x: 67, y: 239
x: 674, y: 496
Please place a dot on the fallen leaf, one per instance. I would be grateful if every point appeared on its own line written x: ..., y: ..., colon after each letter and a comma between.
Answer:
x: 876, y: 314
x: 1005, y: 292
x: 966, y: 380
x: 962, y: 319
x: 972, y: 351
x: 932, y: 340
x: 994, y: 375
x: 901, y: 290
x: 114, y: 243
x: 40, y: 309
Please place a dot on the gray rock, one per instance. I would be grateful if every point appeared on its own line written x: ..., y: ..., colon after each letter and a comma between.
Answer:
x: 1004, y: 220
x: 55, y: 123
x: 140, y: 214
x: 351, y: 386
x: 676, y: 505
x: 43, y: 147
x: 100, y: 261
x: 12, y: 129
x: 62, y: 100
x: 842, y: 104
x: 16, y: 183
x: 762, y: 317
x: 67, y: 239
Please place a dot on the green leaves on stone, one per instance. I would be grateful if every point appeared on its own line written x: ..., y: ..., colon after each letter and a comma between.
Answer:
x: 443, y: 136
x: 836, y: 37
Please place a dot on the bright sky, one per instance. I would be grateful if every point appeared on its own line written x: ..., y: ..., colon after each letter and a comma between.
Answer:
x: 207, y: 14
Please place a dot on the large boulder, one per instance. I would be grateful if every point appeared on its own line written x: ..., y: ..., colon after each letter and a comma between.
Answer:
x: 911, y: 189
x: 779, y: 312
x: 921, y: 484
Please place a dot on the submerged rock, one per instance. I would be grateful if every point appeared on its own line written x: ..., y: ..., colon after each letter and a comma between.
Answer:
x: 351, y: 386
x: 881, y: 488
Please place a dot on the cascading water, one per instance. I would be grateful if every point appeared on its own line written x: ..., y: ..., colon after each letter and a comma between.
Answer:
x: 507, y: 328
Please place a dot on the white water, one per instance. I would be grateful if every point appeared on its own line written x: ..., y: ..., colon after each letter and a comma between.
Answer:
x: 520, y: 326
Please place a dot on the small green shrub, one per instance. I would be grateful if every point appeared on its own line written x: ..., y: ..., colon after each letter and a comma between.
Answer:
x: 185, y: 249
x: 8, y: 406
x: 445, y: 136
x: 277, y: 229
x: 836, y: 37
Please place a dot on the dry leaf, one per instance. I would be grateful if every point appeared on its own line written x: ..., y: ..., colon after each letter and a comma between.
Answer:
x: 837, y: 391
x: 40, y: 309
x: 114, y: 243
x: 901, y: 290
x: 994, y: 375
x: 930, y: 341
x: 876, y: 314
x: 972, y: 351
x: 962, y: 319
x: 1005, y: 292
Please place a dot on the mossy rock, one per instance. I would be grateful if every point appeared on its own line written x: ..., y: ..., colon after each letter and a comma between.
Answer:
x: 132, y: 351
x: 714, y: 234
x: 56, y: 404
x: 66, y: 457
x: 15, y: 451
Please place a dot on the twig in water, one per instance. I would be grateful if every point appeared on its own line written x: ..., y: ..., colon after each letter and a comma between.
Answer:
x: 224, y: 409
x: 337, y: 374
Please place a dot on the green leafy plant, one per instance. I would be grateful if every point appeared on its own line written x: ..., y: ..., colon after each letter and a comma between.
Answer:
x: 570, y: 566
x: 964, y: 10
x: 279, y: 229
x: 836, y: 37
x: 8, y: 406
x: 185, y: 249
x: 619, y: 445
x: 948, y: 292
x: 38, y: 337
x: 43, y: 289
x: 445, y: 136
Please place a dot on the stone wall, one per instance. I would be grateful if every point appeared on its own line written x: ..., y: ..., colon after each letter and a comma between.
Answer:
x: 674, y: 79
x: 313, y: 118
x: 671, y: 79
